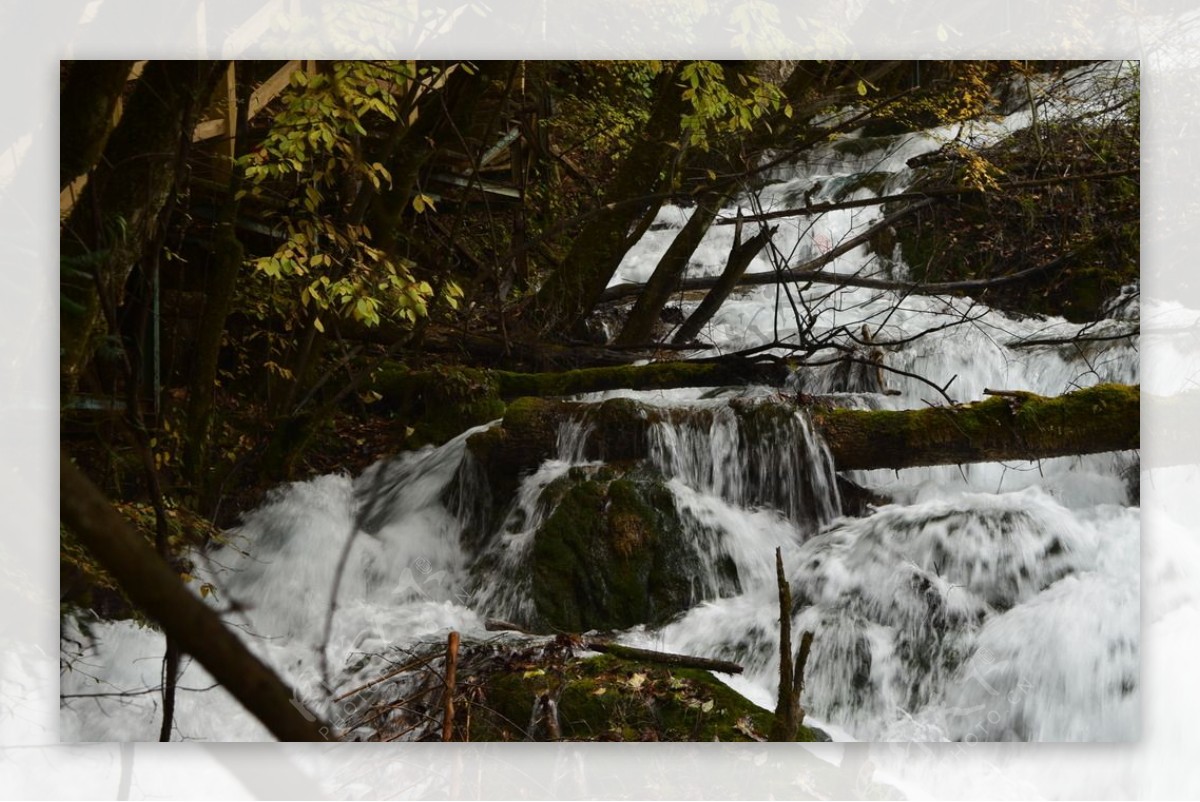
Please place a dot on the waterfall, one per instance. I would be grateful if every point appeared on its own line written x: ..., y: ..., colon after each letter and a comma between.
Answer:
x: 992, y: 601
x: 751, y: 457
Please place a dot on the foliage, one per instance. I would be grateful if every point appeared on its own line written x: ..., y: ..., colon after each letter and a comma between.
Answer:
x: 599, y: 106
x: 720, y: 109
x: 85, y: 584
x: 315, y: 148
x: 1092, y: 222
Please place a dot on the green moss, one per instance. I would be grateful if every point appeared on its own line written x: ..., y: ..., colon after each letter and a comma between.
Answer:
x: 1088, y: 230
x: 611, y: 554
x: 610, y: 698
x: 1017, y: 425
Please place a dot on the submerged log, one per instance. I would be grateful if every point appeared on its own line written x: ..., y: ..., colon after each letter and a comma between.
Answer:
x: 1029, y: 427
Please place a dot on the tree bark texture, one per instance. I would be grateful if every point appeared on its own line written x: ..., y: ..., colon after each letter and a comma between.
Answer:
x: 639, y: 325
x: 740, y: 257
x: 228, y: 255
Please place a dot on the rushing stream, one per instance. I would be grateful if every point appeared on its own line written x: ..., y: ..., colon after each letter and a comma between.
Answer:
x: 986, y: 602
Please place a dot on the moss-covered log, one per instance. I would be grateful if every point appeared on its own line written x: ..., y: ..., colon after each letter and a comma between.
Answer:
x: 1015, y: 426
x: 655, y: 376
x: 441, y: 403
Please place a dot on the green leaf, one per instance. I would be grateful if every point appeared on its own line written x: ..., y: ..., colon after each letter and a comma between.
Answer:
x: 862, y: 87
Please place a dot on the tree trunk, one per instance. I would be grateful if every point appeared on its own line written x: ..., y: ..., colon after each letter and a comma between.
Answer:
x: 1018, y: 426
x: 1015, y: 426
x: 810, y: 271
x: 152, y: 585
x: 639, y: 325
x: 572, y: 290
x: 228, y: 256
x: 740, y: 257
x: 467, y: 396
x: 115, y: 218
x: 86, y: 106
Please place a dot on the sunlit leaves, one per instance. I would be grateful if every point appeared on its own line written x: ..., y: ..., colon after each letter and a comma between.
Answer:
x: 717, y: 108
x: 313, y: 151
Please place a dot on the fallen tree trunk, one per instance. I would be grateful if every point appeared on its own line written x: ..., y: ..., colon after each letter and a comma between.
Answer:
x: 655, y: 376
x: 661, y: 658
x: 1019, y: 426
x: 811, y: 274
x: 442, y: 403
x: 1013, y: 426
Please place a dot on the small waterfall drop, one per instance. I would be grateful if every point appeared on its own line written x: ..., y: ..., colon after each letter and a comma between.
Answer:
x: 751, y: 456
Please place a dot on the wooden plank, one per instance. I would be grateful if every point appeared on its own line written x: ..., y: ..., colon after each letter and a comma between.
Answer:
x: 229, y: 146
x: 209, y: 129
x: 70, y: 194
x: 264, y: 94
x: 477, y: 184
x: 273, y: 86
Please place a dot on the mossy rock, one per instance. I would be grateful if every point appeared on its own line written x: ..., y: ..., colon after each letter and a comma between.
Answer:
x: 612, y: 699
x: 612, y: 554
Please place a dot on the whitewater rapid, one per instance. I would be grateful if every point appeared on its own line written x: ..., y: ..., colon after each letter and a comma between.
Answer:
x: 985, y: 602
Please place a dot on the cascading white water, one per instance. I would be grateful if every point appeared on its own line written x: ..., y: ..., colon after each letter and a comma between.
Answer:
x: 779, y: 462
x: 987, y: 602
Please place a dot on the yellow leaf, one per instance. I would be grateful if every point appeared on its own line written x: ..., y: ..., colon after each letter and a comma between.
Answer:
x: 318, y: 325
x: 599, y: 691
x: 185, y: 578
x: 862, y: 87
x: 637, y: 681
x: 536, y: 672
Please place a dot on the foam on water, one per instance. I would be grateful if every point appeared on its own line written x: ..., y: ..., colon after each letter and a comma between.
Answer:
x: 986, y: 602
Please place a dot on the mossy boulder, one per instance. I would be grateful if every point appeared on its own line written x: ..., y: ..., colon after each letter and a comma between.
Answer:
x: 611, y: 699
x: 612, y: 554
